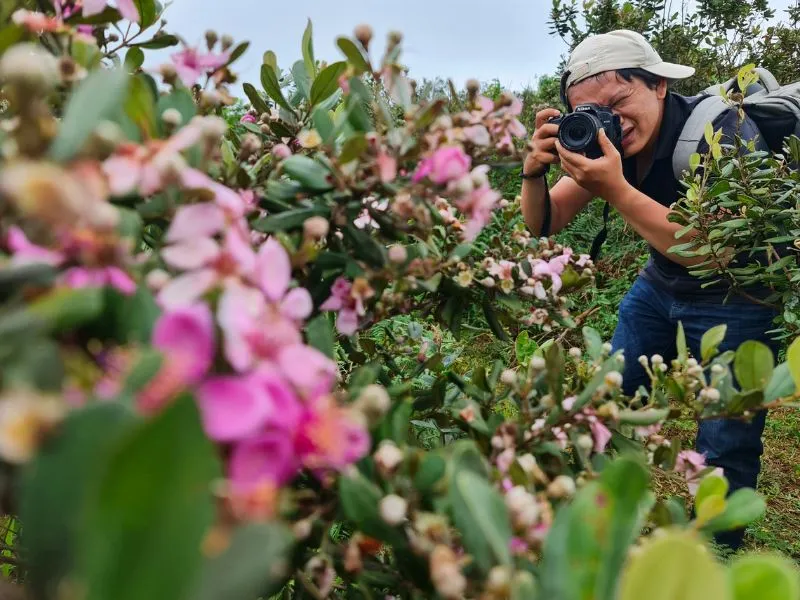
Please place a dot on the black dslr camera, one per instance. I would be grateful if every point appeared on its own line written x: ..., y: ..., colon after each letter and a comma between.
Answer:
x: 577, y: 131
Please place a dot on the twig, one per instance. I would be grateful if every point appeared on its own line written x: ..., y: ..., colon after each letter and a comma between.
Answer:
x: 309, y: 586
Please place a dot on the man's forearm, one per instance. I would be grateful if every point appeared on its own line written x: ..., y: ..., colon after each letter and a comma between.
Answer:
x: 533, y: 204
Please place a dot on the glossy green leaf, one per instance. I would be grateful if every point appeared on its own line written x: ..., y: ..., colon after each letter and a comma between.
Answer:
x: 159, y: 42
x: 753, y: 365
x: 354, y: 55
x: 140, y: 106
x: 711, y: 340
x: 301, y: 79
x: 764, y: 577
x: 781, y: 385
x: 151, y: 508
x: 308, y: 51
x: 66, y: 309
x: 98, y: 98
x: 594, y: 343
x: 134, y: 59
x: 430, y: 472
x: 480, y: 515
x: 327, y: 82
x: 323, y: 124
x: 148, y: 12
x: 270, y: 60
x: 238, y: 51
x: 674, y: 566
x: 290, y: 219
x: 256, y: 101
x: 308, y: 172
x: 360, y: 500
x: 55, y: 486
x: 252, y: 566
x: 793, y: 360
x: 269, y: 79
x: 742, y: 507
x: 711, y: 485
x: 683, y: 351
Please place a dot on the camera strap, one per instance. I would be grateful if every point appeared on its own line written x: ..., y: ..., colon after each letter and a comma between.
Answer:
x: 548, y: 209
x: 600, y: 238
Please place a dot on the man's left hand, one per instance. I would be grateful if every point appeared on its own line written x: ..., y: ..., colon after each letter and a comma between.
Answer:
x: 601, y: 176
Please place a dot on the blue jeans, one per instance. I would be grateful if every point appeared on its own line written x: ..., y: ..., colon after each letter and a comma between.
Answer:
x: 648, y: 322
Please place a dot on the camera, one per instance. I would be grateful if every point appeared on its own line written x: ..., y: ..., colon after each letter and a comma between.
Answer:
x: 577, y: 131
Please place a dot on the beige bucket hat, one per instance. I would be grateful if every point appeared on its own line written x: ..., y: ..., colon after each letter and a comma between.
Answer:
x: 620, y: 49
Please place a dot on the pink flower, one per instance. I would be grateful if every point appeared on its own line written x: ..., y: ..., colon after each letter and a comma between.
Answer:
x: 446, y: 164
x: 344, y: 83
x: 248, y: 118
x: 387, y: 167
x: 127, y: 8
x: 268, y: 456
x: 518, y: 546
x: 191, y: 64
x: 568, y: 403
x: 233, y: 408
x: 281, y: 151
x: 477, y: 206
x: 36, y: 22
x: 478, y: 135
x: 186, y: 337
x: 601, y: 435
x: 347, y: 300
x: 690, y: 463
x: 503, y: 269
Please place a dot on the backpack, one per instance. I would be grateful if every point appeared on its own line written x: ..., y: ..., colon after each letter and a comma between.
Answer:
x: 774, y: 108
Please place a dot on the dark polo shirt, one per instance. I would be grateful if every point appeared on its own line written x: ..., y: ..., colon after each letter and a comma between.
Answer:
x: 660, y: 184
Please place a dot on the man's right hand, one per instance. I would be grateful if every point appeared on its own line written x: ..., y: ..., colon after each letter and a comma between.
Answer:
x: 543, y: 142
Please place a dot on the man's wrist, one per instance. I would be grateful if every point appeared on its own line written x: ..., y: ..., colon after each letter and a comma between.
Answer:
x: 534, y: 173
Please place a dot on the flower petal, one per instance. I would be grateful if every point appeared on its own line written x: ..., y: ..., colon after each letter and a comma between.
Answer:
x: 186, y: 336
x: 273, y: 269
x: 123, y: 173
x: 194, y: 220
x: 237, y: 313
x: 25, y: 252
x: 270, y: 457
x: 191, y: 254
x: 297, y: 304
x: 186, y: 288
x: 120, y: 280
x: 93, y: 7
x: 128, y: 10
x: 347, y: 322
x: 307, y: 368
x: 601, y: 435
x: 232, y: 408
x: 237, y: 246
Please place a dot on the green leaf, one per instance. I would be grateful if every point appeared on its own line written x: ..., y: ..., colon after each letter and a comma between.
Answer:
x: 594, y: 343
x: 753, y: 365
x: 308, y: 51
x: 134, y: 59
x: 269, y: 80
x: 430, y: 472
x: 711, y: 341
x: 159, y: 42
x: 793, y: 360
x: 742, y: 507
x: 327, y: 82
x: 523, y: 586
x: 781, y: 385
x: 254, y: 565
x: 323, y: 124
x: 140, y: 106
x: 308, y: 172
x: 151, y: 508
x: 256, y: 101
x: 353, y: 148
x: 711, y: 486
x: 612, y: 363
x: 365, y: 246
x: 643, y: 417
x: 354, y: 55
x: 290, y: 219
x: 107, y: 15
x: 709, y: 133
x: 360, y: 500
x: 66, y: 309
x: 98, y: 98
x: 694, y: 162
x: 270, y: 60
x: 674, y: 566
x: 54, y: 489
x: 320, y: 335
x: 493, y: 321
x: 9, y: 36
x: 524, y: 347
x: 301, y: 79
x: 764, y: 577
x: 238, y: 51
x: 480, y: 514
x: 683, y: 352
x: 148, y: 12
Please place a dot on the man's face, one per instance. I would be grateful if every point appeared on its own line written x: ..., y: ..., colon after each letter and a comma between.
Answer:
x: 639, y: 108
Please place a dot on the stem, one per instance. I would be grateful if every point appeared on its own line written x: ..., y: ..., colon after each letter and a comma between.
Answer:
x: 309, y: 586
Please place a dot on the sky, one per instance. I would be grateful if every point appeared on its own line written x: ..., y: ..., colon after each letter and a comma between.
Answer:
x: 504, y: 39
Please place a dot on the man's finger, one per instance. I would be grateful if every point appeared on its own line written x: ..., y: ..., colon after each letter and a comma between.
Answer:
x: 544, y: 115
x: 546, y: 131
x: 605, y: 144
x: 571, y: 157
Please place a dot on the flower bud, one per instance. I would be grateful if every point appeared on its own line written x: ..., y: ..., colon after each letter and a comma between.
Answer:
x: 250, y: 144
x: 398, y: 254
x: 575, y: 353
x: 503, y: 203
x: 363, y: 33
x: 168, y: 73
x: 374, y: 403
x: 395, y: 37
x: 281, y: 151
x: 509, y: 377
x: 387, y: 457
x: 227, y: 42
x: 561, y: 487
x: 585, y: 442
x: 487, y: 282
x: 710, y: 394
x: 538, y: 363
x: 157, y: 279
x: 717, y: 369
x: 393, y: 509
x: 691, y: 363
x: 473, y: 86
x: 643, y: 360
x: 609, y: 410
x: 613, y: 379
x: 499, y: 581
x: 657, y: 359
x: 211, y: 39
x: 309, y: 138
x: 302, y: 529
x: 316, y: 228
x: 30, y: 67
x: 172, y: 117
x: 607, y: 347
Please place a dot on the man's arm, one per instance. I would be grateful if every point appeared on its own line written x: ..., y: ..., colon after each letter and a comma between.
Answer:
x: 567, y: 199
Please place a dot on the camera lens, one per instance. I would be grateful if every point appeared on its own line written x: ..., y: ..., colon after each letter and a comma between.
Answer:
x: 577, y: 131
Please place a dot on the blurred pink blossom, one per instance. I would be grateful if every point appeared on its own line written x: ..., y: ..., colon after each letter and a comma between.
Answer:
x: 190, y: 64
x: 446, y: 164
x: 127, y: 8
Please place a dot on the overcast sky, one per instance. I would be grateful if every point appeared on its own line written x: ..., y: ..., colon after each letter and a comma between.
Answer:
x: 504, y: 39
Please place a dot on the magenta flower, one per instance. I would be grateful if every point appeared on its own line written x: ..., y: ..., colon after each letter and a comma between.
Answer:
x: 190, y: 64
x: 281, y: 151
x: 448, y: 163
x: 477, y: 206
x: 347, y: 300
x: 127, y: 8
x: 25, y: 252
x: 248, y: 118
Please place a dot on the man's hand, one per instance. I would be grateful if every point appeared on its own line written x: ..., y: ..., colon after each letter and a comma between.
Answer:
x: 601, y: 176
x: 543, y: 142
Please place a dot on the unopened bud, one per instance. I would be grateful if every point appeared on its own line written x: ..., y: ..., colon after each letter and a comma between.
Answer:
x: 227, y: 42
x: 316, y: 227
x: 499, y: 581
x: 613, y: 379
x: 656, y: 359
x: 717, y: 369
x: 643, y: 360
x: 250, y: 144
x: 157, y: 279
x: 575, y: 352
x: 487, y: 282
x: 363, y: 33
x: 538, y: 363
x: 509, y: 377
x: 395, y: 37
x: 503, y: 203
x: 473, y: 86
x: 281, y: 151
x: 210, y: 99
x: 172, y: 117
x: 211, y: 39
x: 302, y: 529
x: 374, y: 403
x: 398, y: 254
x: 393, y: 509
x: 607, y: 347
x: 29, y: 66
x: 561, y: 487
x: 585, y: 442
x: 710, y: 394
x: 387, y: 457
x: 609, y: 410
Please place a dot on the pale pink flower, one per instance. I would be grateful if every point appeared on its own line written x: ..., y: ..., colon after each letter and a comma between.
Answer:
x: 504, y: 270
x: 127, y: 8
x: 347, y: 300
x: 568, y: 403
x: 690, y: 463
x: 477, y: 206
x: 190, y: 64
x: 446, y: 164
x: 387, y: 167
x: 247, y: 118
x: 478, y: 135
x: 601, y: 435
x: 36, y: 22
x: 281, y: 151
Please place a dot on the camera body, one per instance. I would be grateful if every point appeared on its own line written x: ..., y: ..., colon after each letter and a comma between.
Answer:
x: 578, y: 130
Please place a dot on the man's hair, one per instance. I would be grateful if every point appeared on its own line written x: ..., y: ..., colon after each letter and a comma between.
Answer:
x: 649, y: 79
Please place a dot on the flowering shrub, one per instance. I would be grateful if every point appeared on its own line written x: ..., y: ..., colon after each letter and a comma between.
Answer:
x: 223, y: 366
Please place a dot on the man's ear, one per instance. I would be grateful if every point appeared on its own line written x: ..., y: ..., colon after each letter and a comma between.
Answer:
x: 661, y: 89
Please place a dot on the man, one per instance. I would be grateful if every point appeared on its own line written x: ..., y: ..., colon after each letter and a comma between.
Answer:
x: 621, y: 70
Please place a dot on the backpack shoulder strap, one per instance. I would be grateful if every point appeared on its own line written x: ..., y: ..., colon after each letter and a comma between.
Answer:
x: 706, y: 111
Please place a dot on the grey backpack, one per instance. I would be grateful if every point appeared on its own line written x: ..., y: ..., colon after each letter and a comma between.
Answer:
x: 774, y: 108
